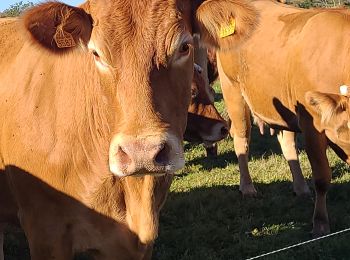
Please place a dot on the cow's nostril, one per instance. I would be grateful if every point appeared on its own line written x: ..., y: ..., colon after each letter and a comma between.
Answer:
x: 123, y: 157
x: 162, y: 158
x: 224, y: 131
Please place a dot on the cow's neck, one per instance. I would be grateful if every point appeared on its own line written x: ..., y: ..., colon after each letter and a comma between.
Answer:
x: 135, y: 202
x: 144, y: 198
x: 141, y: 211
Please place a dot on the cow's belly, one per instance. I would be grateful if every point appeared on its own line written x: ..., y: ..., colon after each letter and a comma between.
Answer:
x: 273, y: 106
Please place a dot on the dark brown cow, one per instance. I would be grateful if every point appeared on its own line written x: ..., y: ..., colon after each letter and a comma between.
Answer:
x: 204, y: 124
x: 283, y: 75
x: 207, y: 61
x: 93, y: 110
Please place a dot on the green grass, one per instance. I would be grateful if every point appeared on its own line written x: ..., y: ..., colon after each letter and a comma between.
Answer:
x: 205, y: 216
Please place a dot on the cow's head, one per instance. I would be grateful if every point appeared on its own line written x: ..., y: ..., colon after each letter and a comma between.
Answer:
x: 334, y: 112
x: 143, y: 53
x: 204, y: 122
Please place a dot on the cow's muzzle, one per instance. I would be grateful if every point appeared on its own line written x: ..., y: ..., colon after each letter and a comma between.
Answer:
x: 156, y: 155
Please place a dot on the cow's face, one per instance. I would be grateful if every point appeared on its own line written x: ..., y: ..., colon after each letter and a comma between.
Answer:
x: 143, y: 53
x: 204, y: 123
x: 334, y: 111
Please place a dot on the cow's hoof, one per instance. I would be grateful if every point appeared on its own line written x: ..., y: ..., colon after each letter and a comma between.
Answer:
x: 320, y: 229
x: 302, y: 190
x: 248, y: 190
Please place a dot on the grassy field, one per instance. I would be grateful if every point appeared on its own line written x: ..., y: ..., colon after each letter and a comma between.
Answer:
x: 205, y: 216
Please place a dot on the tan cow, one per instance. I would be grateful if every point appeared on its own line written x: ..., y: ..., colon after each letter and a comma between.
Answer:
x: 284, y: 72
x: 204, y: 123
x: 93, y: 107
x: 286, y: 138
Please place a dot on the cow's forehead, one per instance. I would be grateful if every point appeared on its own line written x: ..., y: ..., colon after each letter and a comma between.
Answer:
x: 126, y: 16
x: 146, y: 27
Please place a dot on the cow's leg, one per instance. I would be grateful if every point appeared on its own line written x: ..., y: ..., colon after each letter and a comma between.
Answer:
x: 289, y: 150
x: 211, y: 149
x: 241, y: 143
x: 2, y: 242
x: 316, y: 145
x: 239, y: 114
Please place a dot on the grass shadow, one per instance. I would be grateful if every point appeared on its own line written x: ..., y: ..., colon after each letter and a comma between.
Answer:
x: 221, y: 161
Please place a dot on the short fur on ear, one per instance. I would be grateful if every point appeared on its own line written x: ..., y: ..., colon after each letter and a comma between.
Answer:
x: 326, y: 105
x: 211, y: 17
x: 57, y: 26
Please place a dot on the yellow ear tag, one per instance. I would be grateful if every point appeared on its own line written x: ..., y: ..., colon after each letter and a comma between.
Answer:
x: 227, y: 29
x: 64, y: 39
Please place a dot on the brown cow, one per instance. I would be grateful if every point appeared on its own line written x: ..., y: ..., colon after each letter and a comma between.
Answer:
x: 93, y: 110
x: 204, y: 124
x: 286, y: 138
x: 207, y: 61
x: 283, y: 75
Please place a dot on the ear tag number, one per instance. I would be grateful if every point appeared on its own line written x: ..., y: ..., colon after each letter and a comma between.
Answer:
x: 227, y: 29
x: 64, y: 39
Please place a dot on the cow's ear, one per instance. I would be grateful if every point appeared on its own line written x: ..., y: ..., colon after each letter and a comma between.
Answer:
x: 58, y: 27
x: 223, y: 24
x: 328, y: 106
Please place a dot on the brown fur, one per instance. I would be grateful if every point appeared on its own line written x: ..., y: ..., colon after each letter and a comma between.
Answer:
x: 66, y: 113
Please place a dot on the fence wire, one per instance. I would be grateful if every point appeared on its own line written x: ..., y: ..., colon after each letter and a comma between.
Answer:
x: 299, y: 244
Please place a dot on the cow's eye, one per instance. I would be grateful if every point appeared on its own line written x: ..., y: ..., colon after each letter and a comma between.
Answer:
x: 185, y: 48
x: 97, y: 56
x: 98, y: 60
x: 95, y: 53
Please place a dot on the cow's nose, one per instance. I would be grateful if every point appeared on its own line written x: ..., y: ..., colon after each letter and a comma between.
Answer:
x: 128, y: 154
x: 162, y: 154
x: 140, y: 157
x: 224, y: 131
